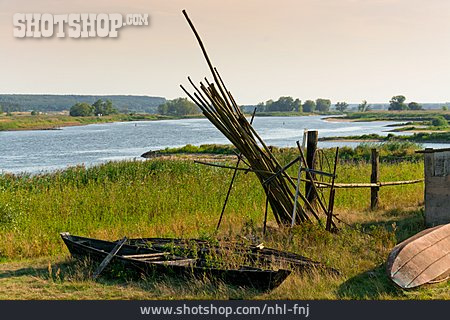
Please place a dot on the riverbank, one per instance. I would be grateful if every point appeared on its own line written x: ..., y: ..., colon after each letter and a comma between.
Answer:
x: 22, y: 121
x: 25, y: 121
x: 416, y: 137
x: 418, y: 116
x: 389, y: 150
x: 164, y: 198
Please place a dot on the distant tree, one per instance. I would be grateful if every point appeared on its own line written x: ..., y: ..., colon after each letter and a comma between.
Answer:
x: 282, y: 104
x: 109, y: 108
x: 286, y: 104
x: 444, y: 108
x: 298, y: 105
x: 268, y: 105
x: 397, y: 103
x: 309, y: 106
x: 439, y: 121
x: 414, y: 106
x: 363, y: 106
x: 81, y: 109
x: 178, y: 107
x: 1, y: 109
x: 34, y: 113
x: 341, y: 106
x: 98, y: 107
x: 260, y: 107
x: 323, y: 105
x: 103, y: 108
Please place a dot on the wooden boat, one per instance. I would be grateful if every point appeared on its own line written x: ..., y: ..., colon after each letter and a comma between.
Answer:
x: 252, y: 253
x: 423, y: 258
x: 161, y: 262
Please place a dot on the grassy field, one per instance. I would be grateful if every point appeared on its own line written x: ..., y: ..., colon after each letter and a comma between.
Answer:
x: 182, y: 199
x: 421, y: 137
x: 383, y: 115
x: 390, y: 151
x: 419, y: 123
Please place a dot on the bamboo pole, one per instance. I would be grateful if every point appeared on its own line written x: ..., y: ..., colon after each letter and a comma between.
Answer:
x: 371, y: 185
x: 332, y: 191
x: 232, y: 181
x: 220, y: 108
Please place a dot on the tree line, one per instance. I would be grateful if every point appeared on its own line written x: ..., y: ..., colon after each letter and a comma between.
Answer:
x: 183, y: 106
x: 289, y: 104
x: 61, y: 102
x: 178, y: 107
x: 398, y: 103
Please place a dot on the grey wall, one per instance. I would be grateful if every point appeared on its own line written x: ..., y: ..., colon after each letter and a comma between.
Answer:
x: 437, y: 187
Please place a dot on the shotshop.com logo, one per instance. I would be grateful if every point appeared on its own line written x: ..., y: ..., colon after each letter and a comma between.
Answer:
x: 74, y: 25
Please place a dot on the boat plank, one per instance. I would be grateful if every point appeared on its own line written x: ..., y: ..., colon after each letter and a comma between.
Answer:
x: 421, y: 259
x: 422, y: 246
x: 146, y: 255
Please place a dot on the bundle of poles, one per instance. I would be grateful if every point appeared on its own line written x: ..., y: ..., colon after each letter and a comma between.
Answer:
x: 288, y: 204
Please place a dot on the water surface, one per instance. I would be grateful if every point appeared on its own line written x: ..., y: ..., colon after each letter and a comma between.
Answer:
x: 34, y: 151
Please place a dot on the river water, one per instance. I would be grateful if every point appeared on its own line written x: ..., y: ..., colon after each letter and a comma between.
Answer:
x: 46, y: 150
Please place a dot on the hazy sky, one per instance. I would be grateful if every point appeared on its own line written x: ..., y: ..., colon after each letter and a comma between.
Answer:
x: 345, y: 50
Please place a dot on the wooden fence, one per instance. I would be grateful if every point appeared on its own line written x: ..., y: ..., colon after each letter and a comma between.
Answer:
x: 374, y: 184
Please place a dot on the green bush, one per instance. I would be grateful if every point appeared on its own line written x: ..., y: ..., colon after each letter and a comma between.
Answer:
x: 439, y: 121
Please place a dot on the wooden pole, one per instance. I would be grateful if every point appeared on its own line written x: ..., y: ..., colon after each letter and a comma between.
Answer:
x: 266, y: 209
x: 299, y: 177
x: 311, y: 147
x: 232, y: 181
x: 332, y: 192
x: 374, y: 178
x: 314, y: 188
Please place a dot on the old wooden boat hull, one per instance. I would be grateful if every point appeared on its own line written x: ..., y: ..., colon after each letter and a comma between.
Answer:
x: 423, y: 258
x: 135, y: 258
x: 253, y: 253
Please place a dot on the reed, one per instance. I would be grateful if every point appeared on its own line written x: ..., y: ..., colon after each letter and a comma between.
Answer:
x: 164, y: 198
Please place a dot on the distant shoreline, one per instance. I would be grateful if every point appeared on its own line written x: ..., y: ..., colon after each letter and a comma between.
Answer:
x: 334, y: 119
x: 21, y: 122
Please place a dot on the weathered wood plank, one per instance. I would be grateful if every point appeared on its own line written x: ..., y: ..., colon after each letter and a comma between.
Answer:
x: 146, y: 255
x: 109, y: 257
x: 375, y: 178
x: 421, y: 259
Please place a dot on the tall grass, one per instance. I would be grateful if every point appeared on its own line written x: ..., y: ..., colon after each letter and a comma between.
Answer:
x: 158, y: 198
x: 183, y: 199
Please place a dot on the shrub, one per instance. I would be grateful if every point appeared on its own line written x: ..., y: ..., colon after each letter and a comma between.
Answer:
x: 439, y: 121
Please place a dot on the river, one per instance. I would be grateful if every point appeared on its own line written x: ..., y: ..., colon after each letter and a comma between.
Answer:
x: 47, y: 150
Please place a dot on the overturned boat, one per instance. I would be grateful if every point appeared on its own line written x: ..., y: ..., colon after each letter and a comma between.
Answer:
x: 159, y: 261
x: 423, y: 258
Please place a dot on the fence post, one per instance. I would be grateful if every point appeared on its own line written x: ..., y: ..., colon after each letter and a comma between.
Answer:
x: 374, y: 178
x: 311, y: 147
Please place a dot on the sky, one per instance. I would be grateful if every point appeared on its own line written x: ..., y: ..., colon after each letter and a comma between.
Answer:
x: 344, y: 50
